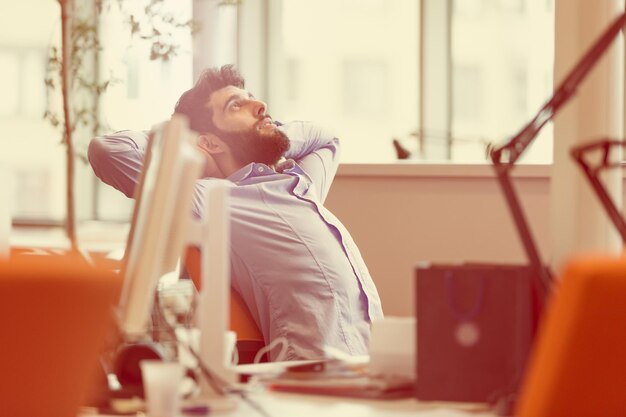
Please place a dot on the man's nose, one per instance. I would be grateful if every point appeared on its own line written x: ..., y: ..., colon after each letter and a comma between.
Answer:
x: 259, y: 108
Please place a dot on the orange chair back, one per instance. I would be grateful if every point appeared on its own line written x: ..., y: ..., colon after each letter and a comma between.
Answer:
x: 578, y: 367
x: 55, y: 312
x: 241, y: 320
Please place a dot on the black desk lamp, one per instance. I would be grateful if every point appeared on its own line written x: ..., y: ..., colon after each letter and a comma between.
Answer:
x: 592, y: 173
x: 505, y: 156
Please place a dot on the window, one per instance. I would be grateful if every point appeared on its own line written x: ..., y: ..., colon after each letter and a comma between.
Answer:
x: 147, y: 91
x: 468, y: 8
x: 372, y: 70
x: 355, y: 66
x: 364, y: 90
x: 502, y: 63
x: 10, y: 64
x: 32, y: 147
x: 514, y: 6
x: 351, y: 65
x: 467, y: 97
x: 34, y: 184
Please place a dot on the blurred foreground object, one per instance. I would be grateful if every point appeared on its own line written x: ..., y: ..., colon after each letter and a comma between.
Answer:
x: 55, y: 313
x: 577, y: 366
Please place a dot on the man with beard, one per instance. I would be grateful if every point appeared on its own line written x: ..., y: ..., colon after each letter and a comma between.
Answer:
x: 293, y: 262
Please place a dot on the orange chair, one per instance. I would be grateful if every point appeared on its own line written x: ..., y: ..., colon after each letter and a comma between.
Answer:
x: 578, y: 367
x: 55, y: 312
x: 249, y: 337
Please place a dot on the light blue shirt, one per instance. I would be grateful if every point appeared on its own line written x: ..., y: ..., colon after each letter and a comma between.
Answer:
x: 293, y: 262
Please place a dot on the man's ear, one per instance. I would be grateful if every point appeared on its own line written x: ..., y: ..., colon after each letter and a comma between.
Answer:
x: 211, y: 144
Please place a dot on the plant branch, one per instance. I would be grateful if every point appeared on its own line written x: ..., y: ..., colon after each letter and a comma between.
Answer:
x: 66, y: 84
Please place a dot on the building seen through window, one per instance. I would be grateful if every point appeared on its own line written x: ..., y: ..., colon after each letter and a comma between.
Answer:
x: 353, y: 65
x: 144, y: 93
x: 359, y: 72
x: 502, y: 62
x: 31, y: 147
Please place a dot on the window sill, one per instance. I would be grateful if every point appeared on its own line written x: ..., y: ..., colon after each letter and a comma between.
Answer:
x: 430, y: 170
x: 96, y: 236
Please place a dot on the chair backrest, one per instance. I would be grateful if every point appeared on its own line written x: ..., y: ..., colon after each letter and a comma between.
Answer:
x: 55, y: 312
x: 241, y: 320
x: 578, y: 366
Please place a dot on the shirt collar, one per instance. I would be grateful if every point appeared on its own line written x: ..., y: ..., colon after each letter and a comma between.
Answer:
x: 251, y: 170
x: 241, y: 174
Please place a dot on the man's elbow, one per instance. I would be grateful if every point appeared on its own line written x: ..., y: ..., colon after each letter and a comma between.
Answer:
x: 335, y: 146
x: 97, y: 153
x: 112, y: 164
x: 102, y: 149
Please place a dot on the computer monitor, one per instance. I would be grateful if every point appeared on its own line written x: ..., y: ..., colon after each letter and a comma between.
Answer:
x: 161, y: 220
x: 162, y: 226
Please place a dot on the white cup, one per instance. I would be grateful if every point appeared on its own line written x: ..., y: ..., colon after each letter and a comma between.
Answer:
x: 191, y: 338
x: 392, y: 346
x: 161, y: 382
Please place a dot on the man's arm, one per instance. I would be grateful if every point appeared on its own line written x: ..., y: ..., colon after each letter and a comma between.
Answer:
x: 117, y: 159
x: 316, y: 151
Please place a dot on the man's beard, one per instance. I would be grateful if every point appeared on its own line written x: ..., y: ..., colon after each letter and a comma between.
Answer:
x: 256, y: 146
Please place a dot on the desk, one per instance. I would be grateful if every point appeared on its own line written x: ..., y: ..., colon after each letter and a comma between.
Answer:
x: 290, y: 405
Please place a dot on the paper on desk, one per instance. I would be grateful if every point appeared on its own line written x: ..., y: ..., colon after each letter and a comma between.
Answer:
x: 339, y: 379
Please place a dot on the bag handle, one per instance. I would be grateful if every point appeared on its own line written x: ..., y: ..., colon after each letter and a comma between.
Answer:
x: 456, y: 311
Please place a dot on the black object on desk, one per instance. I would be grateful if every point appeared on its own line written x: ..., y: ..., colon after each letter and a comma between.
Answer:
x: 475, y: 325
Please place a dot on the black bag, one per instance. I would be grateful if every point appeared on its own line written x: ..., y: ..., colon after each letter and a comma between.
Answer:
x: 475, y: 324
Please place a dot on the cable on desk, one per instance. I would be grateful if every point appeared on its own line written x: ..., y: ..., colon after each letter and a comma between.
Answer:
x: 221, y: 386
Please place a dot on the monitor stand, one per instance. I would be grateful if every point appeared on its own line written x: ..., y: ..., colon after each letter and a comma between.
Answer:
x: 212, y: 235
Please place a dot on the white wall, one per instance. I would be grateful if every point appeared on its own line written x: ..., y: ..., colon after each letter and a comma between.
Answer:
x: 596, y: 111
x: 401, y: 215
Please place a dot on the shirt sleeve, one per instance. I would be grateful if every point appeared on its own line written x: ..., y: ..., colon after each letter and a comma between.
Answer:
x: 117, y: 159
x: 316, y: 151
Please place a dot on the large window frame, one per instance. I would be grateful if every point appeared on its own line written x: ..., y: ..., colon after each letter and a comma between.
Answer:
x: 251, y: 49
x: 259, y: 47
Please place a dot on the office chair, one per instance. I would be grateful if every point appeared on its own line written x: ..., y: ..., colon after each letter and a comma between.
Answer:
x: 55, y: 312
x: 578, y: 364
x: 249, y: 337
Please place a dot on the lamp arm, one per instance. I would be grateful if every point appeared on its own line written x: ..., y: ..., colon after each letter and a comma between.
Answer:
x: 504, y: 157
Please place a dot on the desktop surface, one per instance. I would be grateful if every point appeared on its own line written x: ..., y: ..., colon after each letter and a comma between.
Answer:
x: 289, y: 405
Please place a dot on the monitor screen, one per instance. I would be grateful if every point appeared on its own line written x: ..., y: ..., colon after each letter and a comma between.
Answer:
x: 160, y: 220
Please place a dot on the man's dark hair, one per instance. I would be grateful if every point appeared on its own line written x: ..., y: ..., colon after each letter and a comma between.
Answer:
x: 192, y: 103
